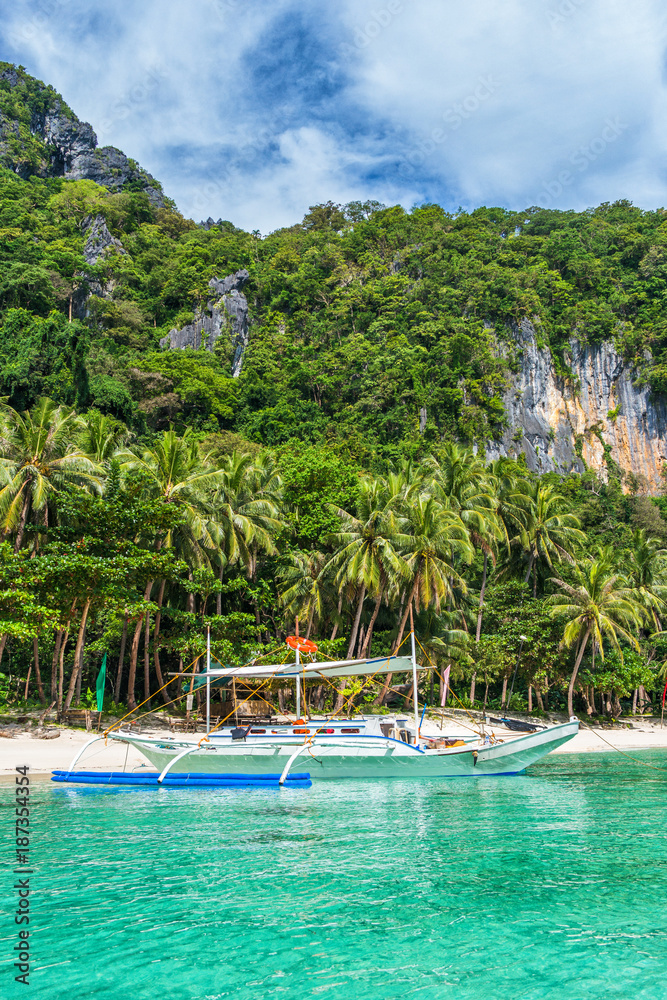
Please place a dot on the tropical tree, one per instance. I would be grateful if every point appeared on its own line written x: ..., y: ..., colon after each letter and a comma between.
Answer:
x: 546, y: 535
x: 178, y: 475
x: 38, y: 458
x: 599, y: 605
x: 365, y: 553
x: 101, y: 436
x: 645, y: 564
x: 305, y: 586
x: 245, y: 511
x: 432, y: 539
x: 469, y: 489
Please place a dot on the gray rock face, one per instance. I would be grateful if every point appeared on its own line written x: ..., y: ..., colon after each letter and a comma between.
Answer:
x: 99, y: 241
x: 69, y: 147
x: 209, y: 224
x: 226, y: 310
x: 559, y: 425
x: 99, y: 244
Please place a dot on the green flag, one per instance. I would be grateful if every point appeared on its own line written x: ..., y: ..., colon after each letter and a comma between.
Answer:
x: 101, y: 678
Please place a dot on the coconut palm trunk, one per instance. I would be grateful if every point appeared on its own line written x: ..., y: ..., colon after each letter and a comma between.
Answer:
x: 134, y: 652
x: 121, y: 658
x: 61, y: 669
x: 147, y: 657
x: 54, y: 664
x: 371, y: 625
x: 350, y: 649
x: 575, y: 671
x: 380, y: 700
x: 310, y: 620
x: 478, y: 630
x: 78, y: 657
x: 335, y: 628
x: 357, y: 619
x: 156, y: 646
x: 38, y: 676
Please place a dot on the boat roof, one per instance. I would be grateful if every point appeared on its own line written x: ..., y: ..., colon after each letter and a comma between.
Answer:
x: 312, y: 670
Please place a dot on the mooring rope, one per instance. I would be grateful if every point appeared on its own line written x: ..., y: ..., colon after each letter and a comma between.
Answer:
x: 645, y: 763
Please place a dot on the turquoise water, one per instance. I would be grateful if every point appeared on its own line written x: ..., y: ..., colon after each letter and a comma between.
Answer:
x: 550, y: 885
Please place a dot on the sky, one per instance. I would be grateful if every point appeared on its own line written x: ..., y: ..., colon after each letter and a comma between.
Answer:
x: 254, y: 110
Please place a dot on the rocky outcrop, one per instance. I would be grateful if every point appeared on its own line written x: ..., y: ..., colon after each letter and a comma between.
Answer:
x: 99, y: 244
x: 226, y: 312
x: 57, y: 144
x: 99, y: 241
x: 565, y: 425
x: 209, y: 224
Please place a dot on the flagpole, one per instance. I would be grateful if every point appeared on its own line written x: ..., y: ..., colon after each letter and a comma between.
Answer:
x: 415, y: 696
x: 208, y: 680
x: 298, y: 679
x: 445, y: 691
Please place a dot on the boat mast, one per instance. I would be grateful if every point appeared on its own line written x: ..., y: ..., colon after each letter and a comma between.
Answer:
x: 298, y: 679
x: 415, y: 697
x: 208, y: 680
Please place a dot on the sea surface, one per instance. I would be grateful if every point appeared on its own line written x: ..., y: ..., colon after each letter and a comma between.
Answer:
x: 548, y: 885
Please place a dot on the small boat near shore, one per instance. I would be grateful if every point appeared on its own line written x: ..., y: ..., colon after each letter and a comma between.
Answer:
x: 364, y: 751
x: 326, y: 748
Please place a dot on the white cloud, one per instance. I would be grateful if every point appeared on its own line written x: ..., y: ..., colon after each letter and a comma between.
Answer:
x: 253, y: 111
x: 553, y: 80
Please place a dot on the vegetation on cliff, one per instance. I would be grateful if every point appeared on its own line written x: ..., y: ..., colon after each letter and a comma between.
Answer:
x: 147, y: 493
x: 384, y: 329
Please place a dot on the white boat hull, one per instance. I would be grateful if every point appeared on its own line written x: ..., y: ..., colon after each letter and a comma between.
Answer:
x: 355, y: 757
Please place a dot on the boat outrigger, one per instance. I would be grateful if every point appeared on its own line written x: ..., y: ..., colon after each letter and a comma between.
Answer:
x: 371, y: 746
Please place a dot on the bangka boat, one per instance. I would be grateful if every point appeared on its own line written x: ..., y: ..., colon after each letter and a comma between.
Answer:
x: 369, y: 746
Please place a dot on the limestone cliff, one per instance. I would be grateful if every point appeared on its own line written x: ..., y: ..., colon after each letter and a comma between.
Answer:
x: 99, y: 245
x: 227, y: 310
x: 40, y: 135
x: 557, y: 423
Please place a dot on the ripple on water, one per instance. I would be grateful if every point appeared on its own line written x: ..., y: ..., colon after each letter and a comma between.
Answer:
x: 552, y: 885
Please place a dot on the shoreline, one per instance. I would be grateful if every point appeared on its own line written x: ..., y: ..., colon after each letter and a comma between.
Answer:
x: 44, y: 756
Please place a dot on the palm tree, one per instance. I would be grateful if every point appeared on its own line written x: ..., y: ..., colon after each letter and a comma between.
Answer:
x: 365, y: 553
x: 471, y: 490
x: 431, y: 539
x: 546, y: 535
x: 180, y: 476
x: 39, y: 458
x: 305, y: 586
x: 645, y: 563
x: 101, y: 436
x: 246, y: 511
x: 601, y: 604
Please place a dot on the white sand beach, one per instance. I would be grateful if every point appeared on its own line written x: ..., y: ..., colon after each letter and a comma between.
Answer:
x: 43, y: 756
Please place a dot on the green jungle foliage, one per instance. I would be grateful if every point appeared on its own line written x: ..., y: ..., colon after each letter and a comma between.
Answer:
x: 146, y: 495
x: 136, y: 549
x: 362, y: 317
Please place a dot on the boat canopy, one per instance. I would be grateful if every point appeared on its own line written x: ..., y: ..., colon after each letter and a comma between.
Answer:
x: 311, y: 670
